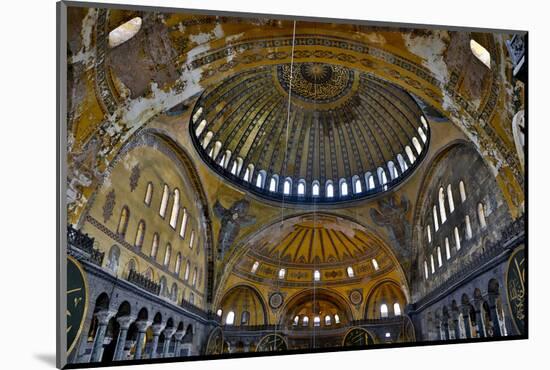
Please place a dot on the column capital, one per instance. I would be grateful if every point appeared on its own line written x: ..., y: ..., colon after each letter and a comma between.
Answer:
x: 104, y: 316
x: 157, y: 328
x: 168, y: 332
x: 142, y: 325
x: 125, y: 321
x: 179, y: 334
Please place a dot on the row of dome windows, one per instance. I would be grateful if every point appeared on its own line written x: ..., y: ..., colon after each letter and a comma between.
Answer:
x: 483, y: 224
x: 273, y: 184
x: 316, y: 273
x: 316, y: 320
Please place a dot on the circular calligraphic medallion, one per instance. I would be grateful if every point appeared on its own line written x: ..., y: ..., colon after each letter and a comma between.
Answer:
x: 77, y: 301
x: 515, y: 288
x: 356, y: 297
x: 276, y: 300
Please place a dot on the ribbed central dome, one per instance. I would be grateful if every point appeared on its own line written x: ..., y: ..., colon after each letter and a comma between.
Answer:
x: 343, y: 134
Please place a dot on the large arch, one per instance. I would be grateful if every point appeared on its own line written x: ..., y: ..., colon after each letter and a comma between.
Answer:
x: 162, y: 141
x: 238, y: 298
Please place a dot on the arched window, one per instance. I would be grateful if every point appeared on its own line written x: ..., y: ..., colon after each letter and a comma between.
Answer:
x: 480, y: 53
x: 123, y: 221
x: 178, y: 264
x: 457, y: 239
x: 382, y: 179
x: 191, y: 298
x: 219, y: 312
x: 426, y: 269
x: 234, y: 168
x: 402, y: 163
x: 260, y: 180
x: 273, y: 183
x: 417, y: 145
x: 462, y: 191
x: 336, y: 319
x: 369, y: 180
x: 194, y: 281
x: 192, y: 239
x: 315, y: 188
x: 396, y: 309
x: 200, y: 128
x: 447, y: 249
x: 255, y: 267
x: 424, y: 122
x: 468, y: 227
x: 432, y: 263
x: 316, y: 321
x: 296, y: 320
x: 305, y: 321
x: 422, y: 134
x: 302, y: 187
x: 230, y: 319
x: 287, y: 186
x: 167, y: 254
x: 175, y: 209
x: 439, y: 258
x: 350, y: 272
x: 357, y: 188
x: 155, y: 246
x: 249, y: 173
x: 197, y: 114
x: 383, y: 310
x: 442, y: 206
x: 343, y: 188
x: 124, y: 32
x: 217, y: 148
x: 429, y: 232
x: 174, y: 292
x: 237, y: 166
x: 148, y: 194
x: 330, y: 189
x: 316, y: 275
x: 481, y: 215
x: 410, y: 154
x: 436, y: 223
x: 282, y: 273
x: 393, y: 170
x: 140, y: 234
x: 375, y: 264
x: 183, y: 223
x: 245, y: 316
x: 164, y: 201
x: 207, y: 139
x: 187, y: 271
x: 450, y: 198
x: 225, y: 159
x: 328, y: 320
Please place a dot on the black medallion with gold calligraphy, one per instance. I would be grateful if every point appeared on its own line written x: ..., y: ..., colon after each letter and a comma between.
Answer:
x: 77, y: 301
x: 516, y: 290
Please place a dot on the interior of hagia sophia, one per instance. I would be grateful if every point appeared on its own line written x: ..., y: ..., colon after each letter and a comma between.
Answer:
x: 251, y: 184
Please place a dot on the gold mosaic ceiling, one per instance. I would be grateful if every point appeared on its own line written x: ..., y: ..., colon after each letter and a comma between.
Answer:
x: 314, y: 242
x: 313, y: 126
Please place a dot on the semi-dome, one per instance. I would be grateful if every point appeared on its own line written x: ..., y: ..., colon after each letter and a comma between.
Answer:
x: 314, y: 248
x: 310, y: 132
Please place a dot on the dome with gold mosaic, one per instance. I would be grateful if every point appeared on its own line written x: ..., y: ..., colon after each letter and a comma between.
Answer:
x: 310, y: 132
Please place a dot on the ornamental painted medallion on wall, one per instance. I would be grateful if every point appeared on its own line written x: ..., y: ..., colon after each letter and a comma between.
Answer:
x: 516, y: 289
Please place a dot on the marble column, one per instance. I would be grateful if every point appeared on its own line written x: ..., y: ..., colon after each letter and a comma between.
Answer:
x: 142, y: 326
x: 168, y: 333
x: 480, y: 327
x: 179, y: 336
x: 494, y: 316
x: 157, y: 329
x: 465, y: 312
x: 103, y: 318
x: 124, y: 323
